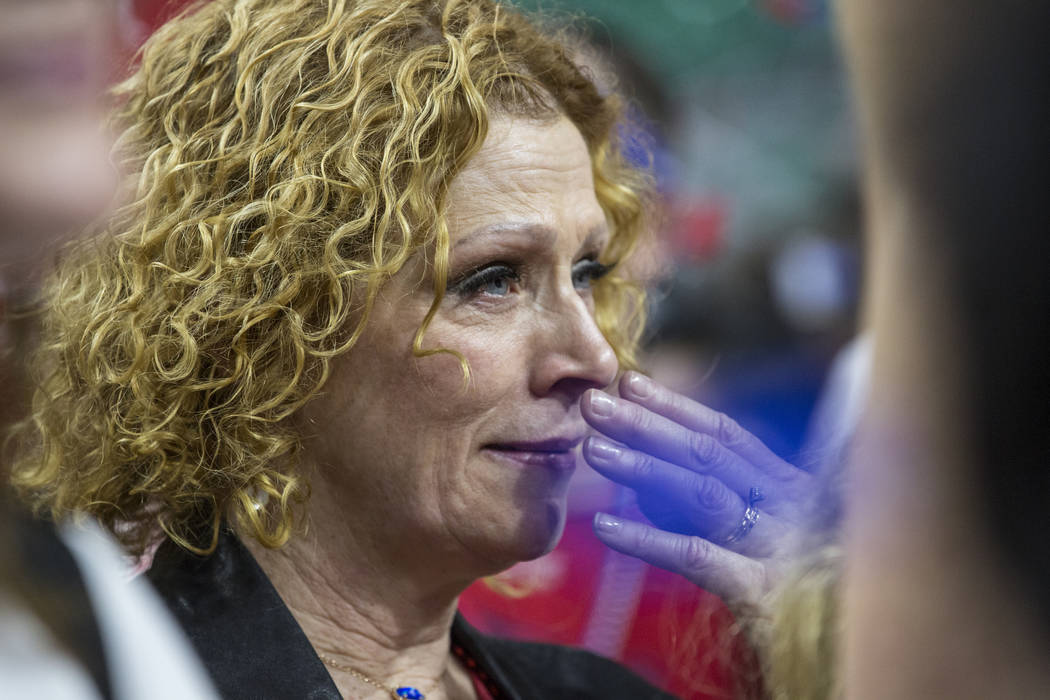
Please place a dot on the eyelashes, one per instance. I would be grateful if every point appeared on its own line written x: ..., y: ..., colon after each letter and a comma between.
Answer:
x: 494, y: 278
x: 498, y: 279
x: 588, y: 271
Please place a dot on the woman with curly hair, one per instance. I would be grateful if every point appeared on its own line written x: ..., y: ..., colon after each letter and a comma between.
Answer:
x: 332, y: 347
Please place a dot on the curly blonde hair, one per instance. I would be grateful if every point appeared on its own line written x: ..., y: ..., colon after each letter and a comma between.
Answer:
x: 285, y: 158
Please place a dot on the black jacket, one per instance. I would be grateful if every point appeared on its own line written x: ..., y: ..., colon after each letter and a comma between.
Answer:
x: 254, y: 648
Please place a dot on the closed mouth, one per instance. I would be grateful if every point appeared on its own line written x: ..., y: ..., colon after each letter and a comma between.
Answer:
x: 554, y: 444
x: 560, y: 456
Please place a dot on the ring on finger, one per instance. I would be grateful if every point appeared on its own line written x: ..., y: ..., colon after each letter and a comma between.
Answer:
x: 747, y: 523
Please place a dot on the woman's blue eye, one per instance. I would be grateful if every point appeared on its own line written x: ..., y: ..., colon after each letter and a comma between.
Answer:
x: 499, y: 286
x: 587, y: 272
x: 494, y: 280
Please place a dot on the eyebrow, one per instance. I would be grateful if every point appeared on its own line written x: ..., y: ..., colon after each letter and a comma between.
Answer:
x: 545, y: 234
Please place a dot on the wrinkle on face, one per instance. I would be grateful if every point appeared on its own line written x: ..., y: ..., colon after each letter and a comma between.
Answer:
x: 401, y: 434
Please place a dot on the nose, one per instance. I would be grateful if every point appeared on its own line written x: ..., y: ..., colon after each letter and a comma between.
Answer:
x: 571, y: 355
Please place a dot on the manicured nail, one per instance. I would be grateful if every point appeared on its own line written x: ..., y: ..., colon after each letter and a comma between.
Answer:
x: 599, y: 450
x: 603, y: 522
x: 639, y: 384
x: 602, y: 404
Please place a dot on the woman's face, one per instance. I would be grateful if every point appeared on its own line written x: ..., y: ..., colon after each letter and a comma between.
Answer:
x: 479, y: 473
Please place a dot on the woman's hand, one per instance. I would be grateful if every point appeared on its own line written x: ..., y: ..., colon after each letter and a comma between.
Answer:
x: 727, y: 509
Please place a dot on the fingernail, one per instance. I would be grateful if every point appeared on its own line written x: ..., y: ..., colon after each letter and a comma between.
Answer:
x: 639, y: 384
x: 603, y: 522
x: 602, y: 404
x: 599, y: 450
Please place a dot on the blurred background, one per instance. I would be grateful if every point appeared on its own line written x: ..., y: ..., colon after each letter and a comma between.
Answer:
x: 754, y: 275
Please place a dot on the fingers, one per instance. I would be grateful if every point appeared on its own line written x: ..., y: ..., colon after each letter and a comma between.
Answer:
x: 733, y: 577
x: 682, y: 501
x: 667, y: 440
x: 694, y: 416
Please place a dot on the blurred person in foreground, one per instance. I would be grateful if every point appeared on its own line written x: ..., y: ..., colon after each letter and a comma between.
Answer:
x: 332, y: 349
x: 937, y: 586
x: 947, y: 578
x: 71, y: 626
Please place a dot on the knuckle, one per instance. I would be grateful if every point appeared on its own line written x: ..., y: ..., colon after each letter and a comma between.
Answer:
x: 676, y: 403
x: 703, y: 448
x: 646, y: 541
x: 627, y: 416
x: 711, y: 495
x: 695, y: 553
x: 640, y: 420
x: 729, y: 431
x: 644, y: 466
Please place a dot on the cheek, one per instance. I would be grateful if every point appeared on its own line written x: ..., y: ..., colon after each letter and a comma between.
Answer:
x: 497, y: 371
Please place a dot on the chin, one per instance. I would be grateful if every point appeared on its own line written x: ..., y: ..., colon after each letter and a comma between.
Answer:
x: 536, y: 533
x: 540, y: 534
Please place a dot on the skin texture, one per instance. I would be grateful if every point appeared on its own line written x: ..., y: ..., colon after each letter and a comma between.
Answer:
x: 415, y: 490
x: 693, y: 469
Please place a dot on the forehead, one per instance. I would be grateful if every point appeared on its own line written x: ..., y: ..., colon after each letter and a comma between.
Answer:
x: 527, y: 172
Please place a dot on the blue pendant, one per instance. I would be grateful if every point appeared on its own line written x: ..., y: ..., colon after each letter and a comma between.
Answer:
x: 409, y: 693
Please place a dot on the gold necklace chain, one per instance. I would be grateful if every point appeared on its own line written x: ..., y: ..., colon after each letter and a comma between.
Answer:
x: 406, y: 692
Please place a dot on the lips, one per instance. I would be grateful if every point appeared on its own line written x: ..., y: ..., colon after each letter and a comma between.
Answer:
x: 552, y: 453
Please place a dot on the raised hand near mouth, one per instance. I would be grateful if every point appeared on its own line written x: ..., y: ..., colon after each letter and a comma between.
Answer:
x: 727, y: 510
